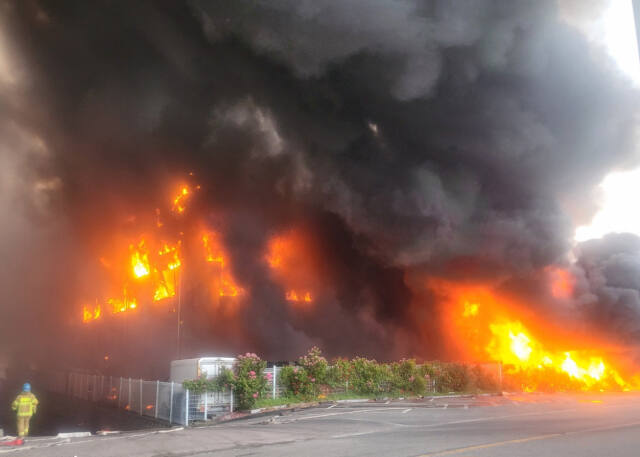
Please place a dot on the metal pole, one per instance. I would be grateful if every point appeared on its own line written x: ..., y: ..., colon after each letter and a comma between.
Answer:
x: 273, y: 378
x: 186, y: 409
x: 141, y: 397
x: 129, y: 397
x: 171, y: 405
x: 102, y: 387
x: 157, y: 394
x: 178, y: 297
x: 206, y: 396
x: 120, y: 392
x: 231, y: 402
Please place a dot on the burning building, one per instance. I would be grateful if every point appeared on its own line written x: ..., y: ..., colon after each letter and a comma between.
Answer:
x: 400, y: 181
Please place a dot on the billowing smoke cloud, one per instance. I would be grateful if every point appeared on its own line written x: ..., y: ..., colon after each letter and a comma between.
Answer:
x: 609, y: 285
x: 401, y: 136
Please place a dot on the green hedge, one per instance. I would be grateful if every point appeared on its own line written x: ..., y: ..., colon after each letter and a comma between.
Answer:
x: 313, y: 377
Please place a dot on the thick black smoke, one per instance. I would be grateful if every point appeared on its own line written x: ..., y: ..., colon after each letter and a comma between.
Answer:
x: 401, y: 135
x: 609, y: 285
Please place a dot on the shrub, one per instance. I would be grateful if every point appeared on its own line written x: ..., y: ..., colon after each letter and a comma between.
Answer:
x: 370, y: 377
x: 451, y: 377
x: 200, y: 385
x: 406, y: 377
x: 315, y: 367
x: 339, y: 373
x: 249, y: 381
x: 483, y: 380
x: 296, y: 382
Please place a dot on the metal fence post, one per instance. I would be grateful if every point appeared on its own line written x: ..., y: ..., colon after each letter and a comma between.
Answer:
x: 129, y: 397
x: 141, y: 396
x: 206, y: 396
x: 120, y: 392
x: 171, y: 405
x: 186, y: 409
x: 157, y: 394
x: 231, y: 400
x: 274, y: 378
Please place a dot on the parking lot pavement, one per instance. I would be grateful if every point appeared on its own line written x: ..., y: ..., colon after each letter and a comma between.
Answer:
x: 527, y: 425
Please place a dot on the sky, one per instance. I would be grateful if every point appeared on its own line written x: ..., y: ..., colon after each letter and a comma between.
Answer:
x: 615, y: 29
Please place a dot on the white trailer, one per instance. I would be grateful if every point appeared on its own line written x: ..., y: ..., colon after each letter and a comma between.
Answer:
x: 209, y: 367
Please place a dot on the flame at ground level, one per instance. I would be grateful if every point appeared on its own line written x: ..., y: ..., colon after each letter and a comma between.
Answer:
x: 536, y: 357
x: 513, y: 345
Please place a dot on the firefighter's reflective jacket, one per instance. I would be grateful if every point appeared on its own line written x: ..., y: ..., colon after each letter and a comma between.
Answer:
x: 25, y: 404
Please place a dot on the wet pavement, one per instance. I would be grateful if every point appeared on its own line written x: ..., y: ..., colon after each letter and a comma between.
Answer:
x: 520, y: 425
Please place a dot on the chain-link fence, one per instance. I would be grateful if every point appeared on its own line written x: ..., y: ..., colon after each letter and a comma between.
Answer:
x: 167, y: 401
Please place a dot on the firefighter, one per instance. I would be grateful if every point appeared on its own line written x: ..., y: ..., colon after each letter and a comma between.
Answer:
x: 25, y: 406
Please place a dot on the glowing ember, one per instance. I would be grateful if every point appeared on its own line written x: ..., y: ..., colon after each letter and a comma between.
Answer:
x: 294, y: 296
x: 120, y: 306
x: 91, y: 313
x: 179, y: 201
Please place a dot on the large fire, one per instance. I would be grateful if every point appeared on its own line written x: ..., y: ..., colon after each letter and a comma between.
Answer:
x: 151, y: 270
x: 537, y: 357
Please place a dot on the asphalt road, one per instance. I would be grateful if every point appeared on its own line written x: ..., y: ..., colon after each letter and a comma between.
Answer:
x: 521, y: 425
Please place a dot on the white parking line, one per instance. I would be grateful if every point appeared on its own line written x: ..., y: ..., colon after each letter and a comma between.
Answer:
x: 406, y: 410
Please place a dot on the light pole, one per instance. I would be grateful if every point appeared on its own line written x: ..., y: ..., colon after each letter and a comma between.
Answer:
x: 176, y: 285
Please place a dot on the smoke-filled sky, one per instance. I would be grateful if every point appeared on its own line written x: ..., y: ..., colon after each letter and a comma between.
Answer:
x: 406, y: 139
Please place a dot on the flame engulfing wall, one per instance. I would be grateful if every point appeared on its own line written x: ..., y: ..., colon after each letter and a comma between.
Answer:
x: 374, y: 146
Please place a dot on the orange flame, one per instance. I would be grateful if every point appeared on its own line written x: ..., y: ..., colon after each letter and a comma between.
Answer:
x: 179, y: 202
x: 139, y: 261
x: 293, y: 296
x: 225, y: 284
x: 513, y: 345
x: 288, y: 259
x: 534, y: 357
x: 156, y: 266
x: 91, y: 314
